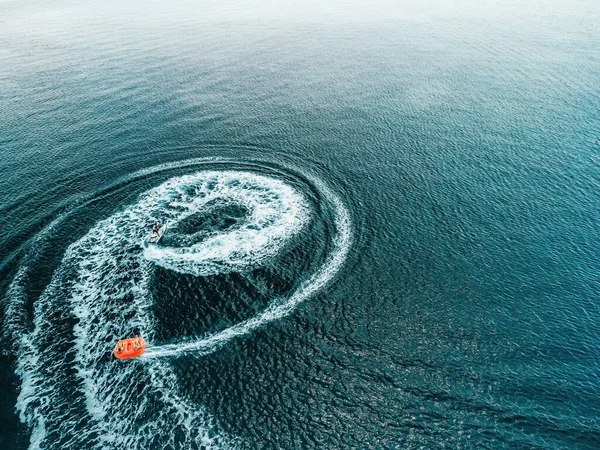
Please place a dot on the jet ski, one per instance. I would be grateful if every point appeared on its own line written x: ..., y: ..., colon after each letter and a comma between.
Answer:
x: 153, y: 238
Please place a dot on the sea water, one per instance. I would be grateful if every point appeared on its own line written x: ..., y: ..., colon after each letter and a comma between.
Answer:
x: 383, y: 222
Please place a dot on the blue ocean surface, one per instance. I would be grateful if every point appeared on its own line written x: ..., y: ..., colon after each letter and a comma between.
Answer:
x: 383, y: 223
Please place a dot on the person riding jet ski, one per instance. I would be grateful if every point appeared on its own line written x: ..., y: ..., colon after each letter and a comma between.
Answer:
x: 154, y: 231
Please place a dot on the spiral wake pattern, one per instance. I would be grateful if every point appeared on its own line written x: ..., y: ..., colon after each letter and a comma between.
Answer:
x: 222, y: 222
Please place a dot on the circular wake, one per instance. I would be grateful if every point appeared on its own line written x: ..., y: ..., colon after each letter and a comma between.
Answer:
x: 274, y: 212
x: 221, y: 223
x: 341, y: 245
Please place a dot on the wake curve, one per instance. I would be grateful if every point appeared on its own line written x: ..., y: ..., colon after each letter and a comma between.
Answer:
x: 341, y: 245
x: 104, y: 272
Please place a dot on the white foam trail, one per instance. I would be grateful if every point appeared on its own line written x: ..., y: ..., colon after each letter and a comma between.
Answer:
x: 24, y: 341
x: 104, y: 283
x: 275, y: 212
x: 341, y: 244
x: 16, y: 296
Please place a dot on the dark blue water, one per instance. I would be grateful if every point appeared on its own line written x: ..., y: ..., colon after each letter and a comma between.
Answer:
x: 383, y: 224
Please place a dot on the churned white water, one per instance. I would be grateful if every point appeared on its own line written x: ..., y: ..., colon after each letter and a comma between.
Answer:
x: 104, y: 281
x: 275, y: 212
x: 341, y: 245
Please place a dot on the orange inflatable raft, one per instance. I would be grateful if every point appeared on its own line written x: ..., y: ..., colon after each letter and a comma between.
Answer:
x: 129, y: 348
